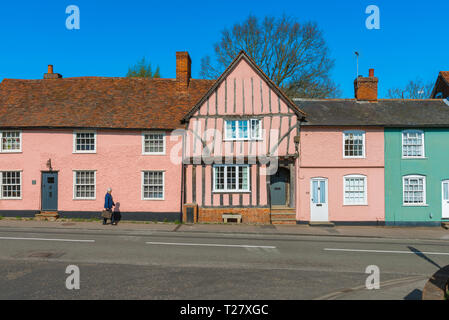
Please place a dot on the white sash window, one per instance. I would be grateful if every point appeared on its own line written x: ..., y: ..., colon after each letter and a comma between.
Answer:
x: 414, y: 188
x: 412, y: 144
x: 355, y: 190
x: 11, y: 185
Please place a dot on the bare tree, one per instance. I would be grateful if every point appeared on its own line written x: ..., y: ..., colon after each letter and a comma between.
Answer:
x: 293, y: 55
x: 415, y: 89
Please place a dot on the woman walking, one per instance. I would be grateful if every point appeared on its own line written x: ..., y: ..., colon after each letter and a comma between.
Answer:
x: 108, y: 204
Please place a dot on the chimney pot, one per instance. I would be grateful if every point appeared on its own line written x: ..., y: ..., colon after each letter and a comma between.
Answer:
x: 371, y: 73
x: 50, y: 74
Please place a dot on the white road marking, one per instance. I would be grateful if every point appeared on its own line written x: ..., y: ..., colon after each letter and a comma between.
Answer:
x: 45, y: 239
x: 210, y: 245
x: 387, y: 251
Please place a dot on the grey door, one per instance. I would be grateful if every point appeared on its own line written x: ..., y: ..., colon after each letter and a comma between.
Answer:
x: 278, y: 187
x: 49, y: 191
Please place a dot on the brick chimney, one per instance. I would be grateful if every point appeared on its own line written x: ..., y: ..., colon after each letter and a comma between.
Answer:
x: 365, y: 88
x: 50, y: 74
x: 183, y: 75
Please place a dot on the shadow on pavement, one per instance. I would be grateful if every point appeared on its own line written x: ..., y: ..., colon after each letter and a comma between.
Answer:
x: 416, y: 294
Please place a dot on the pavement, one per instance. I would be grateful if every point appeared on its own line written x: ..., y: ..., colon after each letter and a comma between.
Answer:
x: 216, y: 261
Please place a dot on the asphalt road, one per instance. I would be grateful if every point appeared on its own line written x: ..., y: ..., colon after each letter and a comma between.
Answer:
x: 118, y: 264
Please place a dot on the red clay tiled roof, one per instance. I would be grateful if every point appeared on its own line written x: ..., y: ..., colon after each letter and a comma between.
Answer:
x: 97, y: 102
x: 445, y: 75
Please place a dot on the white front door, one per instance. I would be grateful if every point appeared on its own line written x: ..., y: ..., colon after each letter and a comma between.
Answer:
x: 318, y: 200
x: 445, y: 199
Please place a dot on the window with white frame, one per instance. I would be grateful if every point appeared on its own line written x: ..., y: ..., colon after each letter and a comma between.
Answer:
x: 153, y: 185
x: 354, y: 144
x: 412, y: 144
x: 84, y: 185
x: 243, y: 129
x: 84, y: 142
x: 11, y: 141
x: 153, y: 143
x: 231, y: 178
x: 414, y: 188
x: 11, y: 184
x: 355, y: 190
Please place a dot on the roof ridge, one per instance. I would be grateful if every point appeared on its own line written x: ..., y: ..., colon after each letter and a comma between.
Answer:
x: 103, y: 78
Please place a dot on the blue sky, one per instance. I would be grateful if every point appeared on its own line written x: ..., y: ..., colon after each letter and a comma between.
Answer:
x: 412, y: 41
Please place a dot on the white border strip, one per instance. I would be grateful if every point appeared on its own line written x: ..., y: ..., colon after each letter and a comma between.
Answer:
x: 211, y: 245
x: 45, y: 239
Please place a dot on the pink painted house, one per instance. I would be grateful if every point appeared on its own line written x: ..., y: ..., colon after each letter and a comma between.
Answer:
x: 240, y: 151
x: 341, y: 172
x: 66, y: 140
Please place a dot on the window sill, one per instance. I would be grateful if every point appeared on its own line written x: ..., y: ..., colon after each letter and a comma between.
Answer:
x: 241, y: 140
x: 355, y: 205
x: 15, y: 151
x: 11, y: 198
x: 153, y: 199
x: 415, y: 205
x: 354, y: 157
x: 154, y: 154
x: 84, y: 152
x: 86, y: 199
x: 414, y: 158
x: 232, y: 192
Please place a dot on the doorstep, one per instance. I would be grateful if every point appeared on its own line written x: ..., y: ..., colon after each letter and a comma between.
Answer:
x: 47, y: 216
x: 321, y: 224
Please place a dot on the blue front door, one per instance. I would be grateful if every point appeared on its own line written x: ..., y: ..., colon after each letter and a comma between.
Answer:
x: 49, y: 191
x: 278, y: 187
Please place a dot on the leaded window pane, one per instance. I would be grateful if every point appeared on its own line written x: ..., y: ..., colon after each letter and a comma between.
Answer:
x: 10, y: 140
x: 355, y: 190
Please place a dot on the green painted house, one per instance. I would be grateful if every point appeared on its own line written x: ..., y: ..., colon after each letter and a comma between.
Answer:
x: 417, y: 164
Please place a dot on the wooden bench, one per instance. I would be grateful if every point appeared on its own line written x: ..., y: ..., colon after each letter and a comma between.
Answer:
x: 227, y: 216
